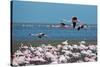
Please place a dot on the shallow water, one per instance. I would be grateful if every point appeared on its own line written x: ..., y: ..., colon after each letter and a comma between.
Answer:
x: 22, y: 32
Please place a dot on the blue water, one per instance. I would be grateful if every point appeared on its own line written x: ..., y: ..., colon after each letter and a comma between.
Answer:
x: 22, y: 31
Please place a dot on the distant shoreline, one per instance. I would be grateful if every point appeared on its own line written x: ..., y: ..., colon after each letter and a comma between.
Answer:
x: 45, y: 23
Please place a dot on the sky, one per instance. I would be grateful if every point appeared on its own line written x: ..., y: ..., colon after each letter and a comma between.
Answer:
x: 41, y: 12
